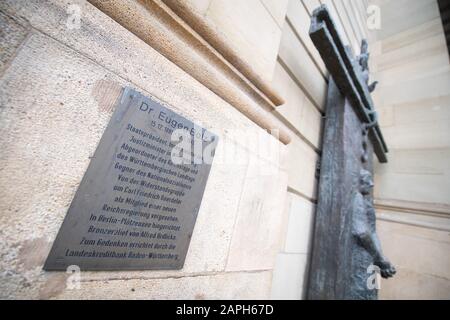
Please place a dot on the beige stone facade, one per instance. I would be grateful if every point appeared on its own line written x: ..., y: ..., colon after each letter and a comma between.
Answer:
x: 412, y: 191
x: 238, y: 68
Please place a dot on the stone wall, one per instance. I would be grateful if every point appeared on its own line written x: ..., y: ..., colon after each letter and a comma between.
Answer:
x: 57, y: 89
x: 410, y: 59
x: 58, y: 86
x: 302, y: 79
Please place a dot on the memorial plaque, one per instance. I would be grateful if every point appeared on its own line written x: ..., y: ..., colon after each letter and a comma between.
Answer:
x: 138, y: 201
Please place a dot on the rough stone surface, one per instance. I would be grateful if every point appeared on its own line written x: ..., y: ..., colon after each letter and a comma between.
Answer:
x: 56, y: 99
x: 12, y: 35
x: 412, y: 190
x: 245, y: 285
x: 300, y: 225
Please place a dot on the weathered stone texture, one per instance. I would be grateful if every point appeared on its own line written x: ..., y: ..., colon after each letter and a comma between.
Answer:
x: 56, y: 98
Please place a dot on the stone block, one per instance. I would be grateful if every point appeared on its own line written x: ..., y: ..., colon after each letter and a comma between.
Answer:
x: 295, y: 56
x: 410, y: 285
x: 12, y: 35
x: 230, y: 286
x: 394, y: 13
x: 298, y: 110
x: 289, y: 277
x: 301, y: 165
x: 250, y: 30
x: 257, y: 235
x: 419, y: 249
x: 300, y: 225
x: 300, y: 19
x: 277, y: 8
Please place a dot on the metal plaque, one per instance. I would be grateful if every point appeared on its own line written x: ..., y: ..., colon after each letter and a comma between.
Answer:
x: 137, y: 203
